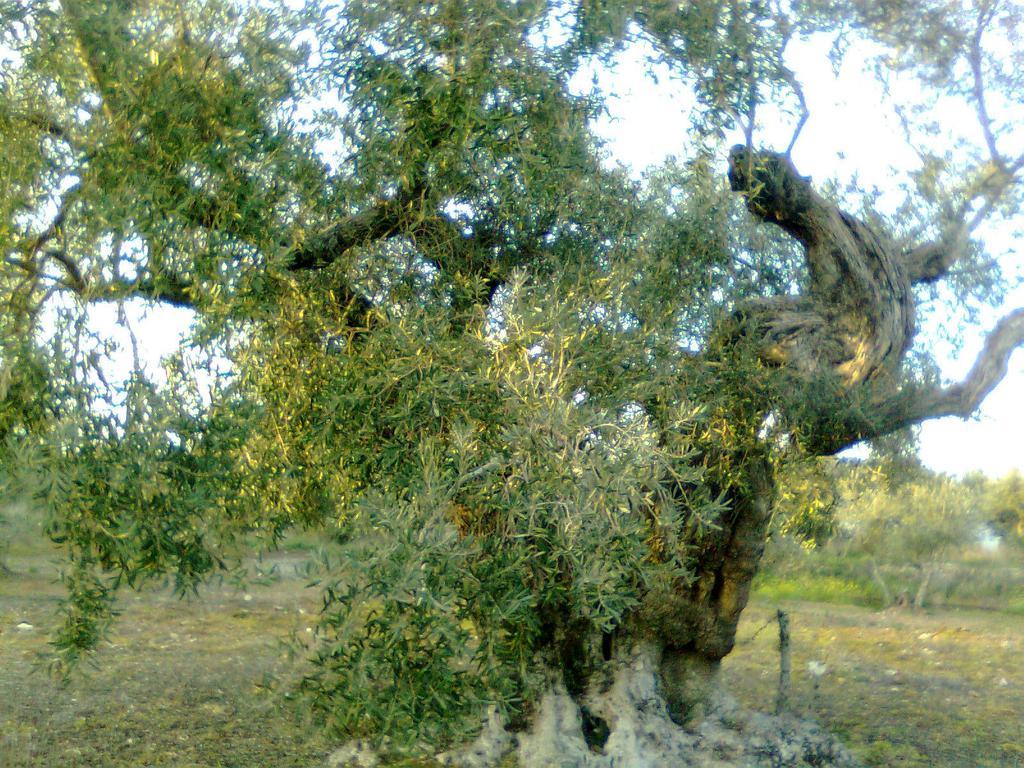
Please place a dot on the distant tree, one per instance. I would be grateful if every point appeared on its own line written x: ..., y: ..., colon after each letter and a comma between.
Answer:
x: 545, y: 403
x: 918, y: 518
x: 1002, y: 504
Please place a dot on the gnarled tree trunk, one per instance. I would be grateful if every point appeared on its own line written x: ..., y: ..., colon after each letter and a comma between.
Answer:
x: 695, y: 623
x: 848, y: 330
x: 840, y: 346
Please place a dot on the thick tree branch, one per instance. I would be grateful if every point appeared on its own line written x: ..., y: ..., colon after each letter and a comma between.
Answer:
x: 838, y: 246
x: 34, y: 244
x: 441, y: 240
x: 856, y: 313
x: 329, y: 245
x: 848, y: 417
x: 412, y: 214
x: 856, y: 317
x: 963, y: 398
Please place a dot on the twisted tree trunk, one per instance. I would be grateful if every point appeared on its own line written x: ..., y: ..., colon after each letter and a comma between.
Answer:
x: 838, y: 347
x: 845, y: 335
x: 694, y: 623
x: 856, y: 318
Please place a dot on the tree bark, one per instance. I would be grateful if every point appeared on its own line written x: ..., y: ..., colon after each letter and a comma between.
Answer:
x: 694, y: 623
x: 922, y: 588
x: 845, y: 337
x: 856, y: 317
x: 883, y: 587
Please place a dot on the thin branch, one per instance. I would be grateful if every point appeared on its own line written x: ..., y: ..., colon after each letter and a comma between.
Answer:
x: 804, y: 112
x: 751, y: 118
x: 22, y: 264
x: 70, y: 268
x: 933, y: 260
x: 32, y: 247
x: 929, y: 262
x: 169, y: 290
x: 974, y: 58
x: 791, y: 80
x: 47, y: 126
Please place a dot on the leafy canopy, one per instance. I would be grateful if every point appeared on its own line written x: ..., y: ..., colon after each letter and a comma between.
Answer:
x: 427, y: 313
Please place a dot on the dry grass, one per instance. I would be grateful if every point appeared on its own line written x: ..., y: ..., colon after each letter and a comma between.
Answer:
x: 180, y: 683
x: 942, y: 689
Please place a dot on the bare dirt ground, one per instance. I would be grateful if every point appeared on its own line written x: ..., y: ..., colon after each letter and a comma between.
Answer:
x: 183, y: 684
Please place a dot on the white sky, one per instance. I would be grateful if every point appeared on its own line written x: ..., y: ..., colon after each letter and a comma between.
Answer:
x: 847, y: 137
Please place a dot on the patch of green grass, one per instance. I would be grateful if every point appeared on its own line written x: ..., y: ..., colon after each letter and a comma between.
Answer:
x: 817, y: 588
x: 885, y: 753
x: 1015, y: 605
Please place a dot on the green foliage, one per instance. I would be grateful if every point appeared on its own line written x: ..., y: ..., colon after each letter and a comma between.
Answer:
x: 550, y: 493
x: 425, y: 314
x: 1016, y: 605
x: 820, y: 588
x: 916, y: 517
x: 805, y: 509
x: 412, y: 642
x: 1001, y: 503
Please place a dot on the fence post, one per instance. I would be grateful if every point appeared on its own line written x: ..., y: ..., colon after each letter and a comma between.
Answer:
x: 785, y: 664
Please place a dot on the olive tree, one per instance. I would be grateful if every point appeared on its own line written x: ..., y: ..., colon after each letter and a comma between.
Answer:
x: 542, y: 402
x: 913, y: 517
x: 1001, y: 502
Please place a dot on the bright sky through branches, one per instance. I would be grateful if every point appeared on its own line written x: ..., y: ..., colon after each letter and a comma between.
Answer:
x: 851, y: 134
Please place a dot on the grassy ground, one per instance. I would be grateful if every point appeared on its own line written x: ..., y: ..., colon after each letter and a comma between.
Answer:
x: 942, y: 689
x: 179, y: 685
